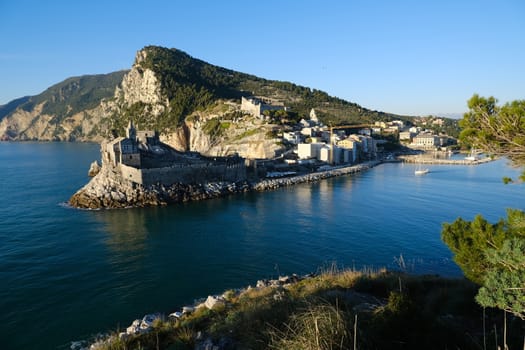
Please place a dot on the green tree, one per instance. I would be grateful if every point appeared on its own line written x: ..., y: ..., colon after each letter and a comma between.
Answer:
x: 470, y: 240
x: 498, y: 130
x: 504, y: 284
x: 493, y: 255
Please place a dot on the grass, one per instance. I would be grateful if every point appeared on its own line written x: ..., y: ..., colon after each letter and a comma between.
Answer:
x: 389, y: 310
x: 247, y: 133
x: 320, y: 325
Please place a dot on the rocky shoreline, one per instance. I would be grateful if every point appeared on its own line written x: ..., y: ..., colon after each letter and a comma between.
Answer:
x: 146, y: 324
x: 107, y: 190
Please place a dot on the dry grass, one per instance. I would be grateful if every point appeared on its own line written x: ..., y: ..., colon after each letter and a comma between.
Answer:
x: 320, y: 326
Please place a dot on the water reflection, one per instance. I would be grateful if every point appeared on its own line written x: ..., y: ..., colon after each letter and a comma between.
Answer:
x: 126, y: 229
x: 125, y: 236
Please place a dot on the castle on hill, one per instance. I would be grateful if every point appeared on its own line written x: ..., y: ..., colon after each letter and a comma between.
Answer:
x: 143, y: 159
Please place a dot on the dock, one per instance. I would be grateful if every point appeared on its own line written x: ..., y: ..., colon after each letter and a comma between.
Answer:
x: 427, y: 160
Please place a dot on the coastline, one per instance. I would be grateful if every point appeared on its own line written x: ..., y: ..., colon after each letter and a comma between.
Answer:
x: 106, y: 191
x: 144, y: 325
x: 385, y: 302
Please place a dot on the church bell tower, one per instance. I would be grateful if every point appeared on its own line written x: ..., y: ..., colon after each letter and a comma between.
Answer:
x: 131, y: 132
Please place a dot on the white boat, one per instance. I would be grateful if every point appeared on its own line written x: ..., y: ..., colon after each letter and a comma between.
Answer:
x: 420, y: 170
x: 472, y: 156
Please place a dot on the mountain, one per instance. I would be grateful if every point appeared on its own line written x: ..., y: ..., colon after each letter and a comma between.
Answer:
x: 189, y: 84
x: 63, y: 112
x: 11, y: 106
x: 193, y: 104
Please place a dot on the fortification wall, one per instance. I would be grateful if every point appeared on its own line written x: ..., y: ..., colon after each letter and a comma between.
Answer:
x: 186, y: 174
x: 249, y: 106
x: 132, y: 174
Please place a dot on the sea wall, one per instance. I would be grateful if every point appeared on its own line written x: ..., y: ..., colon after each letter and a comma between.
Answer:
x: 186, y: 173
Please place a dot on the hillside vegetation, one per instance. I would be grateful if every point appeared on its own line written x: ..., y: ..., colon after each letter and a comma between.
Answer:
x: 337, y: 309
x: 63, y: 112
x: 191, y: 84
x: 74, y: 95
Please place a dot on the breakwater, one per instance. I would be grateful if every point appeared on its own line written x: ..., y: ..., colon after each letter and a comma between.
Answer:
x: 268, y: 184
x: 427, y: 160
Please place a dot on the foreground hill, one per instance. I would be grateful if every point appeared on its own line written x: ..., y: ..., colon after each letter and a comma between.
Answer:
x: 336, y: 309
x: 193, y: 104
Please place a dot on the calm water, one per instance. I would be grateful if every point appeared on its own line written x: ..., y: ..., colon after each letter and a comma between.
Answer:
x: 67, y: 274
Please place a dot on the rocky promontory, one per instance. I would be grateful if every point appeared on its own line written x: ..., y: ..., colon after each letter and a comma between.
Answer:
x: 109, y: 190
x: 105, y: 191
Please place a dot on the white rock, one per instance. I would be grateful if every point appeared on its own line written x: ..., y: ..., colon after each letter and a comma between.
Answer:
x: 213, y: 301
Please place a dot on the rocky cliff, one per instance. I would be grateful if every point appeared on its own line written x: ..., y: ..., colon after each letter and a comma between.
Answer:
x: 216, y: 127
x: 73, y: 110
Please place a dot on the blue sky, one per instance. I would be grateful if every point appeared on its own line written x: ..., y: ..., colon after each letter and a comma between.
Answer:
x: 407, y: 57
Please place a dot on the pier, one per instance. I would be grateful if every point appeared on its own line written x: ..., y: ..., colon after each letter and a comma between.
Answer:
x: 427, y: 160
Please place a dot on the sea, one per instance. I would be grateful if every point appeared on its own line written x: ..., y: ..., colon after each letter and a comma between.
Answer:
x: 68, y: 274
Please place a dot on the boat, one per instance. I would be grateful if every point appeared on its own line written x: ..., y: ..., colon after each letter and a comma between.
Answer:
x: 472, y: 156
x: 421, y: 171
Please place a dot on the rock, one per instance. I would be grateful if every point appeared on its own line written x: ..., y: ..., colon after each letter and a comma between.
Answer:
x: 279, y: 295
x: 94, y: 169
x: 214, y: 301
x: 187, y: 309
x: 176, y: 314
x: 123, y: 336
x: 147, y: 322
x: 78, y: 345
x: 262, y: 283
x: 134, y: 328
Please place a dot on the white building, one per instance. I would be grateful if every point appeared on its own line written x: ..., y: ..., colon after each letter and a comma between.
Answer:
x: 306, y: 131
x: 399, y: 123
x: 313, y: 116
x: 425, y: 141
x: 306, y: 123
x: 309, y: 150
x: 324, y: 154
x: 292, y: 137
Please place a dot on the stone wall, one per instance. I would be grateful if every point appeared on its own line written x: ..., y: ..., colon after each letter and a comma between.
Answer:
x: 186, y: 174
x: 132, y: 174
x: 251, y: 106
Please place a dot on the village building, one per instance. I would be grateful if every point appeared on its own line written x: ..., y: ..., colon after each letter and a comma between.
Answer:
x: 425, y: 141
x: 256, y: 106
x: 313, y: 116
x: 292, y: 137
x: 309, y: 150
x: 406, y: 136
